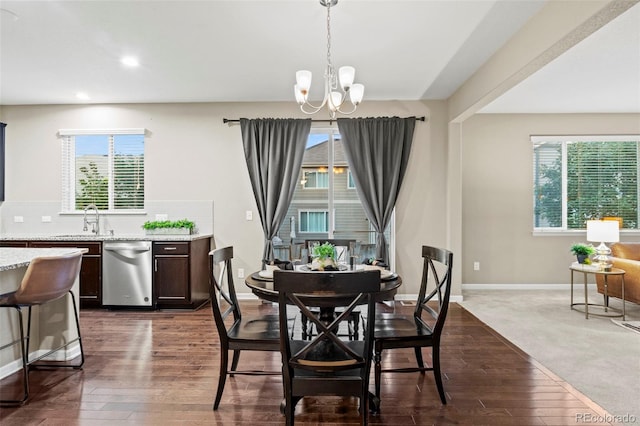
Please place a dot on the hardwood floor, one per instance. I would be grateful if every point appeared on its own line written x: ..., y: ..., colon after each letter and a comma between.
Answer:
x: 161, y: 368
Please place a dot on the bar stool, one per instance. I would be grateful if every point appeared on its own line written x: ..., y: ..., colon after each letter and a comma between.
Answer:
x: 46, y: 279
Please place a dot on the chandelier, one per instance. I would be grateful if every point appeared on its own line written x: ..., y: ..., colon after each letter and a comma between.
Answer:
x: 334, y: 99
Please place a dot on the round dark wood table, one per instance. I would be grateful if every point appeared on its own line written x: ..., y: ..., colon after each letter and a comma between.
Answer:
x: 263, y: 288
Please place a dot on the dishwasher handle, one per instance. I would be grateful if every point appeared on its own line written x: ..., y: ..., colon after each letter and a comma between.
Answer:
x: 123, y: 248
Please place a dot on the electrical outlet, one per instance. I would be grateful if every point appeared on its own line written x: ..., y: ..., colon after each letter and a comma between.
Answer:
x: 476, y: 266
x: 249, y: 215
x: 46, y: 218
x: 162, y: 217
x: 18, y: 219
x: 240, y: 273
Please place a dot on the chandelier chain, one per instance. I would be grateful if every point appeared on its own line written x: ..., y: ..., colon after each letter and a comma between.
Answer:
x: 330, y: 71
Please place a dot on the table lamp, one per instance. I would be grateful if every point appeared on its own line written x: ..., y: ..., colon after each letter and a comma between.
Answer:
x: 603, y: 231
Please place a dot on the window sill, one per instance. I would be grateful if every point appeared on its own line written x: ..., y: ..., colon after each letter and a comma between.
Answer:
x: 579, y: 232
x: 105, y: 212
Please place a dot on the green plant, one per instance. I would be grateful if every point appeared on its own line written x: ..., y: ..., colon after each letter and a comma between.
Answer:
x: 324, y: 251
x: 582, y: 249
x: 157, y: 224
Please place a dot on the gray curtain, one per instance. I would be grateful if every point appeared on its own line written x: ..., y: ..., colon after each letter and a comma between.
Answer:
x: 273, y: 149
x: 377, y: 150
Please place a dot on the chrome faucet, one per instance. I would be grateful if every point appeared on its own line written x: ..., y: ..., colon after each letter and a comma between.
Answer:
x: 95, y: 222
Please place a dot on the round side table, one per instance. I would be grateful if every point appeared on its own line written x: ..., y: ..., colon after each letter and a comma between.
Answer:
x: 608, y: 311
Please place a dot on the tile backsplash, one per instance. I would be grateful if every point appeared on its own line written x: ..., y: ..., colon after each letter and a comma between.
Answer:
x: 44, y: 217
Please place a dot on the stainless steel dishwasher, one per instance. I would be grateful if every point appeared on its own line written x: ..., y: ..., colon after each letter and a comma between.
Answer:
x: 126, y: 276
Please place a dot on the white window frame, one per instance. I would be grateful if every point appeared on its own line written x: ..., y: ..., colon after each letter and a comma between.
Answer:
x: 564, y: 140
x: 306, y: 181
x: 68, y: 166
x: 307, y: 211
x: 349, y: 180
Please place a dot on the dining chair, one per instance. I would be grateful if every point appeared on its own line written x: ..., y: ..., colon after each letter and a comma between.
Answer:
x: 237, y: 332
x: 326, y: 364
x: 423, y: 328
x: 345, y: 248
x: 45, y: 280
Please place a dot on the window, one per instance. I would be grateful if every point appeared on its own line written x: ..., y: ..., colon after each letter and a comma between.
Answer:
x: 332, y: 209
x: 577, y: 178
x: 314, y: 221
x: 105, y: 168
x: 350, y: 183
x: 316, y: 179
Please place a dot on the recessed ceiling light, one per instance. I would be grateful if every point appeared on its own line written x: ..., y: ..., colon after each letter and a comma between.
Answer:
x: 130, y: 61
x: 82, y: 96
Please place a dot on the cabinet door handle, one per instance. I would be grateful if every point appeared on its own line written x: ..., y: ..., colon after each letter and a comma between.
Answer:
x: 155, y: 265
x: 170, y: 248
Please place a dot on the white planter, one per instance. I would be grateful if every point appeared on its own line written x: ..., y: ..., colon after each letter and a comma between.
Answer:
x: 168, y: 231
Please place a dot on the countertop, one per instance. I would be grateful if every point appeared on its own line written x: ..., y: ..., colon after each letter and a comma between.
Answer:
x: 92, y: 237
x: 13, y: 258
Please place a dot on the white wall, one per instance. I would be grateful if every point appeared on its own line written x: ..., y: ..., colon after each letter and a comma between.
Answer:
x: 192, y: 158
x: 497, y: 196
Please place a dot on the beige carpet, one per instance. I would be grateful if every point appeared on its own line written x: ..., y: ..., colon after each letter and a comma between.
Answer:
x: 595, y: 355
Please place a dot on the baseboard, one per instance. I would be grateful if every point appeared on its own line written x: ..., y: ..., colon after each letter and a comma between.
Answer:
x: 70, y: 353
x: 566, y: 287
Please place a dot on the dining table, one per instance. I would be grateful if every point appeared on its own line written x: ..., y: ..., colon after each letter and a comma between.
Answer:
x: 261, y: 284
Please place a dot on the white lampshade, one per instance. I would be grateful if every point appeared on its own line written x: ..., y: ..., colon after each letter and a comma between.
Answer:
x: 335, y: 101
x: 300, y: 97
x: 346, y: 75
x: 603, y: 231
x: 303, y: 80
x: 356, y: 93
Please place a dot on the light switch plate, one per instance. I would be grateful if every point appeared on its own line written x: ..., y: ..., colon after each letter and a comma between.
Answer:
x: 18, y: 219
x: 249, y: 215
x: 46, y: 218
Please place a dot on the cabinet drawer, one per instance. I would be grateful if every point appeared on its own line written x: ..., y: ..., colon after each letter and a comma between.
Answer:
x: 94, y: 248
x: 170, y: 248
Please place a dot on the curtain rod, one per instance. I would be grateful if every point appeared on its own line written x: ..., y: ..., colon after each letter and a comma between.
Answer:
x: 233, y: 121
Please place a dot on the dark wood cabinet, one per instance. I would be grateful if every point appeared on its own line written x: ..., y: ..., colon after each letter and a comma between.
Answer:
x: 18, y: 244
x: 181, y: 273
x: 90, y: 272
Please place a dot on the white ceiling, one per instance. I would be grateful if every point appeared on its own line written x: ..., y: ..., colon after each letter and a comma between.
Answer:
x: 241, y: 50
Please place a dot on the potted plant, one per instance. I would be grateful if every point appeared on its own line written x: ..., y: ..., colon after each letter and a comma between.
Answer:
x: 582, y: 252
x: 323, y: 257
x: 180, y: 227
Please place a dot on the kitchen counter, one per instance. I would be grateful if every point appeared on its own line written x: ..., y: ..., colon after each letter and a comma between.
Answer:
x: 13, y: 258
x: 106, y: 237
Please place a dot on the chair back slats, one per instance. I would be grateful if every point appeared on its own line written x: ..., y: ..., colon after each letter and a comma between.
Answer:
x: 437, y: 269
x: 224, y: 302
x: 48, y: 278
x: 326, y: 352
x: 345, y: 248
